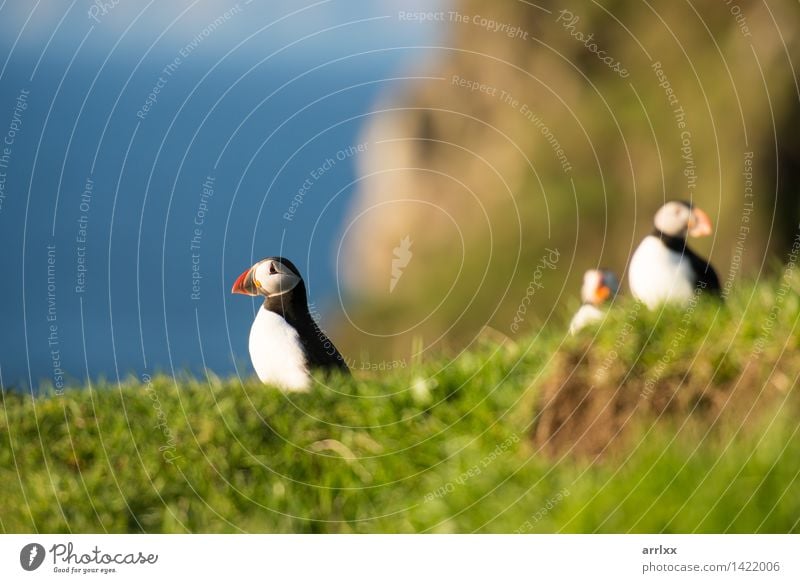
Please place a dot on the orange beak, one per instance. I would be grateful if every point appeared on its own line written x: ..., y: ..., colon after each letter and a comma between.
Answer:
x: 244, y: 284
x: 700, y: 224
x: 601, y: 294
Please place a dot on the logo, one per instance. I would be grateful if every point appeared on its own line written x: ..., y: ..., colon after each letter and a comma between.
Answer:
x: 31, y: 556
x: 402, y: 256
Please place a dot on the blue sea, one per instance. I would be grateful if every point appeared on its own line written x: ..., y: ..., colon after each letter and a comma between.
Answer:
x: 150, y: 153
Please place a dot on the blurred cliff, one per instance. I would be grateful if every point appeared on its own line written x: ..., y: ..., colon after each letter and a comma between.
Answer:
x: 541, y: 145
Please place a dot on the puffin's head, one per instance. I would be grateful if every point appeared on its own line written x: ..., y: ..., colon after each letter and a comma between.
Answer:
x: 678, y: 218
x: 599, y: 285
x: 273, y: 276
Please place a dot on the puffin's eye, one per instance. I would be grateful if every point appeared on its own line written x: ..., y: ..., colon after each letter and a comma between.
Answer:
x: 272, y: 270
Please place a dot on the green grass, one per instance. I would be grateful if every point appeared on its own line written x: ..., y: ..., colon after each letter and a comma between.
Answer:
x: 443, y: 446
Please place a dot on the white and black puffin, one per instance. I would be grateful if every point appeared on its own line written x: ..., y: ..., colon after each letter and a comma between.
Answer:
x: 285, y: 341
x: 599, y: 287
x: 663, y: 268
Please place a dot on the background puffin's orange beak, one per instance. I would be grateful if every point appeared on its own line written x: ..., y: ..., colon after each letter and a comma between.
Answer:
x: 601, y: 294
x: 244, y: 284
x: 700, y: 224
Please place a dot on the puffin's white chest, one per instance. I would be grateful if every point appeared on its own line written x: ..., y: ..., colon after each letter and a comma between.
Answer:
x: 588, y: 314
x: 276, y: 352
x: 659, y: 274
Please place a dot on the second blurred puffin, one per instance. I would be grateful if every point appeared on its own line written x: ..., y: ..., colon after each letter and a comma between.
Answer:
x: 599, y: 287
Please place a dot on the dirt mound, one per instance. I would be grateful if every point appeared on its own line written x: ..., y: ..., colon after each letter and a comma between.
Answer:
x: 590, y: 403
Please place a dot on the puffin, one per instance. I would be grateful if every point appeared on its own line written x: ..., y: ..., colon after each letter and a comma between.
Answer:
x: 285, y: 342
x: 663, y: 268
x: 599, y: 287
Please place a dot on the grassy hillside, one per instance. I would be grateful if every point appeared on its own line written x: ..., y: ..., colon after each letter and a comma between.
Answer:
x: 477, y: 149
x: 601, y: 433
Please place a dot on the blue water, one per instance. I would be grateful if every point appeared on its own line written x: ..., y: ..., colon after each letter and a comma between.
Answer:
x: 104, y: 216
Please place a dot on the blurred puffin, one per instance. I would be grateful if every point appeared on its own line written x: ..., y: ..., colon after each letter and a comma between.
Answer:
x: 663, y: 268
x: 599, y: 286
x: 285, y: 341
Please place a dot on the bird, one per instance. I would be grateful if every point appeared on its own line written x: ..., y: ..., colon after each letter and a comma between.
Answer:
x: 663, y: 268
x: 285, y: 344
x: 599, y: 287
